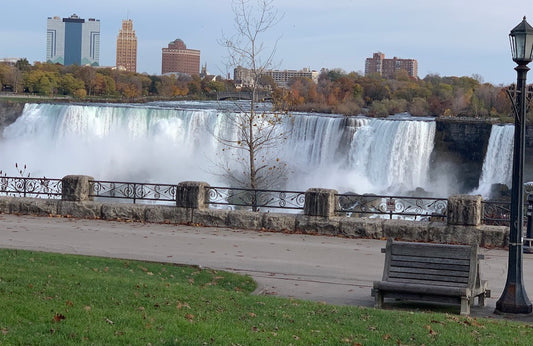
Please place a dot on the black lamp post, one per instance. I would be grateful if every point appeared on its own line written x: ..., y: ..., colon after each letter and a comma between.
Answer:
x: 514, y: 297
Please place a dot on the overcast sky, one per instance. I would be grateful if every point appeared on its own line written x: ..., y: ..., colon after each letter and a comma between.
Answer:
x: 447, y: 37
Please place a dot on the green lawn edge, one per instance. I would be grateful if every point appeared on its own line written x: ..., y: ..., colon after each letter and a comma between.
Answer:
x: 57, y: 299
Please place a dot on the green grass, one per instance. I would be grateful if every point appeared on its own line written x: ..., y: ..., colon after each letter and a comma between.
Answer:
x: 62, y: 299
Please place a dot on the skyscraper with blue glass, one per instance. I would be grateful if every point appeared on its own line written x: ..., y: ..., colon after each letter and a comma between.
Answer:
x: 73, y: 41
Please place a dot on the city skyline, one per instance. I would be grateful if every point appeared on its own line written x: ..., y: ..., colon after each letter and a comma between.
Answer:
x: 452, y: 38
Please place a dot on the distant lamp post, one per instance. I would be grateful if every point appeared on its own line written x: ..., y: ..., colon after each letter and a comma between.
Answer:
x: 514, y: 297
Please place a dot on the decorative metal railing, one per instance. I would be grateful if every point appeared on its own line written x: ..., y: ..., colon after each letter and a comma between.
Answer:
x: 415, y: 208
x: 133, y: 191
x: 30, y: 187
x: 256, y: 199
x: 496, y: 213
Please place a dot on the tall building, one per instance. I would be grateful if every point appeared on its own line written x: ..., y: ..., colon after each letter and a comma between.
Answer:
x: 127, y: 47
x: 388, y: 67
x: 178, y: 59
x: 73, y: 41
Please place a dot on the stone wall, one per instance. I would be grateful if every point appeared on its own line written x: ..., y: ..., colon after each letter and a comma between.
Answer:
x: 463, y: 223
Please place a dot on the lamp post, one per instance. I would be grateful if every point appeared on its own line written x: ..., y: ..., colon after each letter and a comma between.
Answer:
x: 514, y: 297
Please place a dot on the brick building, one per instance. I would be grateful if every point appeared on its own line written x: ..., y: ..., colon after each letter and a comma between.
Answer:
x: 178, y: 59
x: 387, y: 68
x: 127, y: 47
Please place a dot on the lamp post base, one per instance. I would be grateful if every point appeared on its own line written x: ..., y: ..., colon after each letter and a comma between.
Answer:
x: 514, y: 300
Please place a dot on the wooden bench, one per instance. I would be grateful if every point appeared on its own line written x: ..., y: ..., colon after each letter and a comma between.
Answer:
x: 431, y: 272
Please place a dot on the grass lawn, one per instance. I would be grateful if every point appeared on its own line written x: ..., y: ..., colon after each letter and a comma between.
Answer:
x: 62, y: 299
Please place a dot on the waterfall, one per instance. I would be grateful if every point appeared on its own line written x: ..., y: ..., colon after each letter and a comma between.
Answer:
x: 498, y: 163
x: 393, y: 155
x: 169, y: 142
x: 112, y: 142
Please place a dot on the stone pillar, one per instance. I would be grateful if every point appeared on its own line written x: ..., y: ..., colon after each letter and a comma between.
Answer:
x: 320, y: 202
x: 76, y: 188
x: 192, y: 194
x: 464, y: 210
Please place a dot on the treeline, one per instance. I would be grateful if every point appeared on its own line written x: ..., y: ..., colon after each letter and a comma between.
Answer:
x: 87, y: 82
x: 336, y: 91
x: 352, y: 93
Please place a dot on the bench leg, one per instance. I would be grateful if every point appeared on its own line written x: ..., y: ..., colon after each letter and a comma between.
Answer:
x: 378, y: 303
x: 465, y: 306
x: 481, y: 299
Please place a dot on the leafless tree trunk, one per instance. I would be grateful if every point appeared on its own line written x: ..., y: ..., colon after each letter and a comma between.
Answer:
x: 258, y: 131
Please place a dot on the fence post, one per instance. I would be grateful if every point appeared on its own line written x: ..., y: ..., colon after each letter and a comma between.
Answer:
x: 76, y: 188
x: 320, y: 202
x: 464, y: 210
x: 192, y: 194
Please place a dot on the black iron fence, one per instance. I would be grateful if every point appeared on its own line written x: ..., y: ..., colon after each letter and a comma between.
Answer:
x: 256, y: 199
x: 415, y: 208
x: 496, y: 213
x: 133, y: 191
x: 30, y: 187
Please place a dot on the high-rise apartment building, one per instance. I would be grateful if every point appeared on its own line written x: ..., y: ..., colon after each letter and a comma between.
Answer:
x: 178, y: 59
x: 127, y: 47
x: 388, y: 67
x: 73, y: 41
x: 243, y: 77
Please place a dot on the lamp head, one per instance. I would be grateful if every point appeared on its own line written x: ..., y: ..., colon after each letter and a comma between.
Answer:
x: 521, y: 39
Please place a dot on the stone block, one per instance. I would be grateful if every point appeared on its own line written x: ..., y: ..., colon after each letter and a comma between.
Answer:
x: 38, y: 206
x: 320, y: 202
x: 76, y: 188
x: 361, y: 227
x: 464, y: 210
x: 245, y: 219
x: 406, y: 230
x: 494, y: 236
x: 210, y: 217
x: 456, y: 235
x: 192, y: 194
x: 5, y: 204
x: 82, y: 210
x: 317, y: 225
x: 116, y: 211
x: 167, y: 214
x: 279, y: 222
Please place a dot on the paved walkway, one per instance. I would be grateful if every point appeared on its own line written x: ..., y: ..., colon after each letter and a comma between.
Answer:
x: 329, y: 269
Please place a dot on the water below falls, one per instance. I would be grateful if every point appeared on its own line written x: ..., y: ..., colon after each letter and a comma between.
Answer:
x: 170, y: 142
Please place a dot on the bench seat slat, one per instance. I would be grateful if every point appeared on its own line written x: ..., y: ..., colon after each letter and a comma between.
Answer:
x: 429, y: 282
x: 430, y: 272
x: 422, y: 289
x: 425, y: 265
x: 432, y: 259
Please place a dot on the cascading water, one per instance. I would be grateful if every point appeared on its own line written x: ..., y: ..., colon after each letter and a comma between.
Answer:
x: 173, y: 142
x: 393, y: 154
x: 498, y: 163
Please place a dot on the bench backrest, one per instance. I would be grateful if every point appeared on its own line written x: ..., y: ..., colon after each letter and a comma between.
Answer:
x: 430, y: 264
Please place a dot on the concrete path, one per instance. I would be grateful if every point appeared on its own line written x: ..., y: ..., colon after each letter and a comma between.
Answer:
x: 329, y: 269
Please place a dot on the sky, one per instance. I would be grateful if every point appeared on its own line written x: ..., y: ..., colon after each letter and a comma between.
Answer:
x: 446, y: 37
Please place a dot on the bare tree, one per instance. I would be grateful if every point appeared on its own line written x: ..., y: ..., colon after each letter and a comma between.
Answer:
x: 252, y: 162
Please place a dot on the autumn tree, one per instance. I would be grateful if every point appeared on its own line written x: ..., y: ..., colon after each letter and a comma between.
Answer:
x: 252, y: 162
